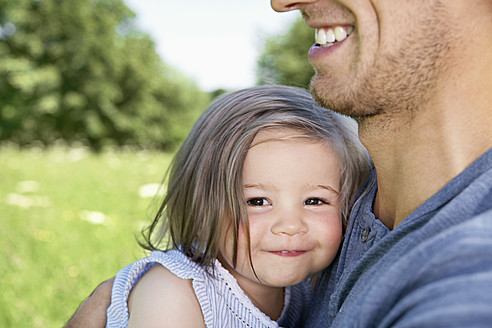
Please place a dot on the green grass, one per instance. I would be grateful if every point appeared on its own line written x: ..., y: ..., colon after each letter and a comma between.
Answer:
x: 52, y: 257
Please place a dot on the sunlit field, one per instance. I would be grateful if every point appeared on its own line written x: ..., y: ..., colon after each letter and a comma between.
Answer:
x: 69, y: 219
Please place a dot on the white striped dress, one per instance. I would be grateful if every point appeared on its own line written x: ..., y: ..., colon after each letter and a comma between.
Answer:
x: 223, y: 302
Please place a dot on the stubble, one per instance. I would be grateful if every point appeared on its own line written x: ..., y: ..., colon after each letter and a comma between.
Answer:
x: 400, y: 81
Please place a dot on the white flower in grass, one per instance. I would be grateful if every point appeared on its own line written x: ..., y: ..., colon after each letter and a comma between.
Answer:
x: 150, y: 190
x: 27, y: 186
x: 94, y: 217
x: 27, y: 201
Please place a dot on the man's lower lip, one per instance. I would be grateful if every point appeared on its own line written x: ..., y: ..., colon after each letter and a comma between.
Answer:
x: 318, y: 51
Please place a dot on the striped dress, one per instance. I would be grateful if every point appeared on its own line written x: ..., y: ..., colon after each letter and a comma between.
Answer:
x: 223, y: 302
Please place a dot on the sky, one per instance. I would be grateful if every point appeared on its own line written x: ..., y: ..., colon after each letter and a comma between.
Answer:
x: 214, y: 42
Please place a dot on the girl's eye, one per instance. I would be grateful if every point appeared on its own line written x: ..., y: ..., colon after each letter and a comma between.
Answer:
x: 257, y: 202
x: 314, y: 201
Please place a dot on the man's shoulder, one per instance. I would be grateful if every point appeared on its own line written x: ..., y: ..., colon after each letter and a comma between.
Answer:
x: 479, y: 223
x: 473, y: 235
x: 452, y: 282
x: 462, y: 243
x: 442, y: 278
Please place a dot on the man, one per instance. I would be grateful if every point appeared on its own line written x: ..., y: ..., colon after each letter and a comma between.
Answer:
x: 92, y: 312
x: 418, y: 74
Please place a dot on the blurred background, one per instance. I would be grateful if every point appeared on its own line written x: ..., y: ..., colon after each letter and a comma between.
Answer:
x: 95, y: 97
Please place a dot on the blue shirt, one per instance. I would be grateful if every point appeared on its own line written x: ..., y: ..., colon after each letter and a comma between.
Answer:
x: 432, y: 270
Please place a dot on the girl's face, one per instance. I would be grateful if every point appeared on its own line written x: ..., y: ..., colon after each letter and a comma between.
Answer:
x: 292, y: 191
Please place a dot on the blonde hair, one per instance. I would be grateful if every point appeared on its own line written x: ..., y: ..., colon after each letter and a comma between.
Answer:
x: 204, y: 185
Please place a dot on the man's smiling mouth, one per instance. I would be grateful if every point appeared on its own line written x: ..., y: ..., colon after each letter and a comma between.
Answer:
x: 328, y: 36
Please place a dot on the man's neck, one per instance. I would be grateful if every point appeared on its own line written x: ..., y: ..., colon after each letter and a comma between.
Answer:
x: 416, y: 155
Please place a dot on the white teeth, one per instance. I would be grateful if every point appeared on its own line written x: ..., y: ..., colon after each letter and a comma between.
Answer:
x: 321, y: 36
x: 330, y: 35
x: 326, y: 37
x: 340, y: 33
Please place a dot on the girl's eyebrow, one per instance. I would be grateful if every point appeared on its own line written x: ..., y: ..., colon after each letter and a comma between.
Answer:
x: 260, y: 186
x: 309, y: 187
x: 268, y: 187
x: 329, y: 189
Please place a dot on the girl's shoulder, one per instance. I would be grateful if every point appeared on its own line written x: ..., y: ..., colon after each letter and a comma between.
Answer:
x: 162, y: 297
x: 159, y: 282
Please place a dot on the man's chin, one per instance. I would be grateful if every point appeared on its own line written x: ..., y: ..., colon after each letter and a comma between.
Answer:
x: 328, y: 97
x: 338, y: 99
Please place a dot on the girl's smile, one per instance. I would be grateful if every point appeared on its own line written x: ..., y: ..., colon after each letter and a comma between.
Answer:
x: 288, y: 253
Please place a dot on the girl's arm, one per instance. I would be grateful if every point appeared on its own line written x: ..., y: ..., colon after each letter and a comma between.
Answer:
x: 160, y: 299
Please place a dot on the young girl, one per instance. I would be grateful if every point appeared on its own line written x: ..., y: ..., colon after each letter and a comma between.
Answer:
x: 256, y: 201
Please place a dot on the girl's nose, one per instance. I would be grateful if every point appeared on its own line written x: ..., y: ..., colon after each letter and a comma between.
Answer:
x: 289, y: 223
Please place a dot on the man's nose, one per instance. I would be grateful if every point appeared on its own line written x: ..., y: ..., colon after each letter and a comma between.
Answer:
x: 289, y: 5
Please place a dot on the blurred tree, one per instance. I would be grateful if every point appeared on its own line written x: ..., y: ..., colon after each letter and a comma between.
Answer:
x: 79, y: 70
x: 284, y: 59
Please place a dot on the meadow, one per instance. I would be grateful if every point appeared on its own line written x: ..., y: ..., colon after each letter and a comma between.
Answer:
x: 69, y: 219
